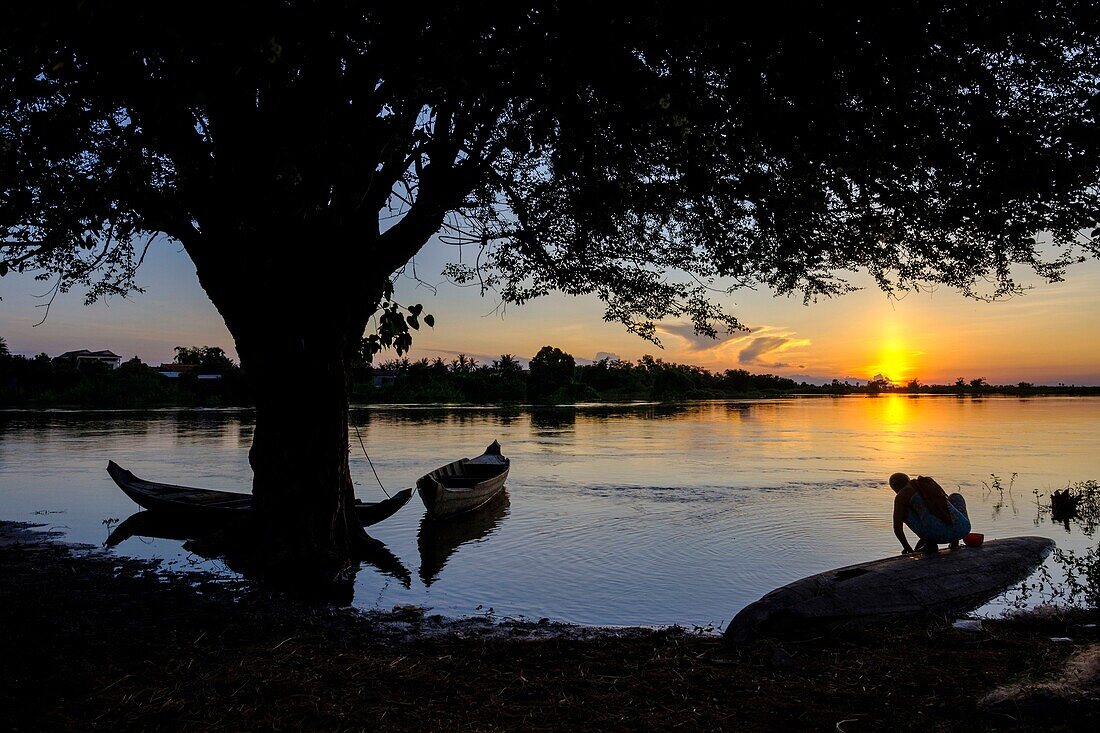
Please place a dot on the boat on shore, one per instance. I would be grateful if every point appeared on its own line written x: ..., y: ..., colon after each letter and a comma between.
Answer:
x: 948, y: 581
x: 464, y: 485
x: 186, y: 502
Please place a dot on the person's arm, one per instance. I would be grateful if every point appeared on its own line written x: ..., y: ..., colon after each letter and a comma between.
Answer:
x: 901, y: 510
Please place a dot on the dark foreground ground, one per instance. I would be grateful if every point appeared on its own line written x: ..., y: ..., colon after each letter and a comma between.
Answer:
x: 90, y: 641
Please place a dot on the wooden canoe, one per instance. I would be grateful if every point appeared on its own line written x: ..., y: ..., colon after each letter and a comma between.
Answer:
x: 464, y: 485
x: 949, y: 581
x: 190, y: 503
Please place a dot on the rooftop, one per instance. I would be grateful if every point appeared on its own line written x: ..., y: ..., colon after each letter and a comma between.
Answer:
x: 104, y: 354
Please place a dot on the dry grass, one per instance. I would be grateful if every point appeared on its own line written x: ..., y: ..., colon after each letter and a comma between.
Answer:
x: 91, y: 647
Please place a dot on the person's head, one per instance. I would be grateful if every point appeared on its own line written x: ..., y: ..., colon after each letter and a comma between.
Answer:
x: 898, y: 481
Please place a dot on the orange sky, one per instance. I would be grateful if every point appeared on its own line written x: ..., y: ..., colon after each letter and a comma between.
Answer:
x: 1050, y: 335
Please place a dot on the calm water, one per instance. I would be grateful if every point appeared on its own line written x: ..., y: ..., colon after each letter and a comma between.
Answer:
x: 648, y: 514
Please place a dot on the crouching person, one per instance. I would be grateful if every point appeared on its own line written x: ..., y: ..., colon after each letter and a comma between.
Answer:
x: 934, y: 517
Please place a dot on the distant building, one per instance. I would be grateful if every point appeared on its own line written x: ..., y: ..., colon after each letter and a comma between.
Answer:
x: 174, y: 371
x: 84, y: 356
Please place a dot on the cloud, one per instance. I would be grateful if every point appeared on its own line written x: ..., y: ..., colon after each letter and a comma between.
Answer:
x: 696, y: 341
x: 607, y: 355
x: 755, y: 346
x: 762, y: 346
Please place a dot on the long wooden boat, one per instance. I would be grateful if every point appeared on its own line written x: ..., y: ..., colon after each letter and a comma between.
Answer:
x: 949, y: 581
x: 192, y: 503
x: 464, y: 485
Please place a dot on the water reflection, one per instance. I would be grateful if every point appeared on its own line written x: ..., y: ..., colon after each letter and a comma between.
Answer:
x: 437, y: 414
x: 438, y: 540
x: 156, y: 525
x: 737, y: 411
x: 170, y: 428
x: 202, y: 537
x: 895, y: 412
x: 552, y: 419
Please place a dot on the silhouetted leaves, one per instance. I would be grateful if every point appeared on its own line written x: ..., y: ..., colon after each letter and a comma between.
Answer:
x: 209, y: 359
x: 393, y: 326
x: 685, y: 153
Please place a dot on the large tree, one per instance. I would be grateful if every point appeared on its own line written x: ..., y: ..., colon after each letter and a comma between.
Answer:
x: 303, y: 152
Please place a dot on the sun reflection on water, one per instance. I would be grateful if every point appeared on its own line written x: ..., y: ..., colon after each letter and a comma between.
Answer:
x: 897, y: 412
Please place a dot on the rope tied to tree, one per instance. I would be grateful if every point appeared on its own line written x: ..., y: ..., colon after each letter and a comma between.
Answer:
x: 369, y: 461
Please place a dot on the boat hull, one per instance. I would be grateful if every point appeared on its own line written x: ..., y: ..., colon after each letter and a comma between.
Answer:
x: 461, y: 487
x: 190, y: 503
x: 906, y: 585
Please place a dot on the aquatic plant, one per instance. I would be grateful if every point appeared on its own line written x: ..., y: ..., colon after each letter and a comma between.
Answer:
x: 1086, y: 507
x: 1077, y: 582
x: 995, y: 486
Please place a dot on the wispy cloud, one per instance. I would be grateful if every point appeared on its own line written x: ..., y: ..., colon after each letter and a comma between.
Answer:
x: 757, y: 346
x: 699, y: 342
x: 761, y: 348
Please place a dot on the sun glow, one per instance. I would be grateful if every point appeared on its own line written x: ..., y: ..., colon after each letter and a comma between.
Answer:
x: 895, y: 359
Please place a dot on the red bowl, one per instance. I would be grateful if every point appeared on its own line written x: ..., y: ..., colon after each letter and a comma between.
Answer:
x: 974, y: 539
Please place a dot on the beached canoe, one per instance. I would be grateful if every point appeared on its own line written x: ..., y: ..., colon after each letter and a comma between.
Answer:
x: 464, y: 485
x: 950, y: 581
x: 192, y: 503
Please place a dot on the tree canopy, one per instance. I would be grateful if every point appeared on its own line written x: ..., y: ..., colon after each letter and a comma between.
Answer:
x: 552, y: 370
x: 206, y: 358
x: 640, y: 155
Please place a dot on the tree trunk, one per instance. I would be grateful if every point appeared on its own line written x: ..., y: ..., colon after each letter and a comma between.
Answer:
x: 296, y: 338
x: 302, y: 488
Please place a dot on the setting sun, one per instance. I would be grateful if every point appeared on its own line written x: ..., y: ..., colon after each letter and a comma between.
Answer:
x: 895, y: 359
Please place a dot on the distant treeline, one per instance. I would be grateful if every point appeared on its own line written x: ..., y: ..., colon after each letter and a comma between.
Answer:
x: 553, y: 377
x: 42, y: 381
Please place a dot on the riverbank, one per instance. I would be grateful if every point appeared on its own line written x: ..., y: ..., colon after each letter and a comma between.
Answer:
x: 96, y: 641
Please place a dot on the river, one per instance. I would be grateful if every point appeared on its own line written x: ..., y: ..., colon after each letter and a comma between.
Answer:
x: 623, y: 514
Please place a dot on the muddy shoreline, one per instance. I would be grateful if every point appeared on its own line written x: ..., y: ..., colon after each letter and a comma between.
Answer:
x: 97, y: 641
